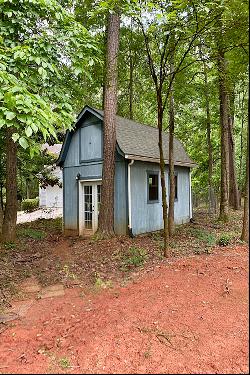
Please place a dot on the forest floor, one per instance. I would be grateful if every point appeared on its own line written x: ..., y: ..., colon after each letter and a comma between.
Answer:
x: 84, y: 306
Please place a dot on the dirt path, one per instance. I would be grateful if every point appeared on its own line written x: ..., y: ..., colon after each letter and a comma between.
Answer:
x: 189, y: 315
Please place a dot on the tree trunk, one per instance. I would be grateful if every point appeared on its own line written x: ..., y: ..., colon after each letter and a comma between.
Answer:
x: 224, y: 203
x: 106, y: 215
x: 233, y: 184
x: 211, y: 195
x: 131, y: 82
x: 171, y: 161
x: 131, y: 88
x: 1, y: 220
x: 245, y: 228
x: 163, y: 180
x: 241, y: 145
x: 10, y: 213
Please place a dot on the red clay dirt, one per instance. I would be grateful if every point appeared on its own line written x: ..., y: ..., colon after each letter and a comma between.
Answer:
x: 188, y: 315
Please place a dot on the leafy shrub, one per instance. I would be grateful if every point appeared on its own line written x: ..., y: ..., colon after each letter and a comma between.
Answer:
x: 135, y: 256
x: 30, y: 205
x: 224, y: 240
x: 32, y: 233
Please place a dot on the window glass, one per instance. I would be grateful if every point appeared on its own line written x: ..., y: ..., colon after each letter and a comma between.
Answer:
x: 175, y: 187
x: 153, y: 187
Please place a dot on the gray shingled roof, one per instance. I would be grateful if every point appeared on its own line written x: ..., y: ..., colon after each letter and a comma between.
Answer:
x: 139, y: 141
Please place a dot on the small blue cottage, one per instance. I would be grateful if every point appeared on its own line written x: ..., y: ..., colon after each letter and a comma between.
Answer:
x: 138, y: 206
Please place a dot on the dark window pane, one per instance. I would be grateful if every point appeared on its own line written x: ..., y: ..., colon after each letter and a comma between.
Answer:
x: 153, y: 188
x: 176, y: 188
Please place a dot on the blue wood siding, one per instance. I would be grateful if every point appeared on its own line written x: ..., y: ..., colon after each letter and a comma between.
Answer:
x: 120, y: 199
x: 90, y: 142
x: 86, y: 160
x: 85, y: 157
x: 146, y: 216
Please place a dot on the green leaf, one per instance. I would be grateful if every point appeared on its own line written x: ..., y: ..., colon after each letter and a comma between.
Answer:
x: 23, y: 142
x: 10, y: 115
x: 15, y: 137
x: 34, y: 127
x: 28, y: 131
x: 38, y: 60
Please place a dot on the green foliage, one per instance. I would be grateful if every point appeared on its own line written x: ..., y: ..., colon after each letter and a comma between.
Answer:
x: 224, y: 240
x: 204, y: 236
x: 9, y: 245
x: 38, y: 45
x: 100, y: 283
x: 30, y: 205
x: 134, y: 257
x: 66, y: 273
x: 32, y: 233
x: 64, y: 363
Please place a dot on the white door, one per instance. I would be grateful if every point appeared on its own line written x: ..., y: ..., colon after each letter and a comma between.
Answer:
x: 90, y: 198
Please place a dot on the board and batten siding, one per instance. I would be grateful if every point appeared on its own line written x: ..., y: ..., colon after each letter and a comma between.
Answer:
x: 147, y: 217
x: 84, y: 156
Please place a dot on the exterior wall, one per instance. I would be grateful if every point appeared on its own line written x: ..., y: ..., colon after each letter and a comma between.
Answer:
x: 52, y: 196
x: 88, y: 162
x: 146, y: 216
x: 89, y: 165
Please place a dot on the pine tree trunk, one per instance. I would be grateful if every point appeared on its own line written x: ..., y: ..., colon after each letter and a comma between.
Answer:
x: 131, y: 82
x: 10, y: 213
x: 224, y: 203
x: 241, y: 145
x: 171, y: 162
x: 163, y: 179
x: 106, y: 215
x: 245, y: 226
x: 1, y: 220
x: 233, y: 184
x: 211, y: 195
x: 131, y: 88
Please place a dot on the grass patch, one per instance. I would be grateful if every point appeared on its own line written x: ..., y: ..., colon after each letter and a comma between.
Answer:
x: 134, y: 257
x: 46, y: 225
x: 204, y: 236
x: 9, y: 245
x: 36, y: 234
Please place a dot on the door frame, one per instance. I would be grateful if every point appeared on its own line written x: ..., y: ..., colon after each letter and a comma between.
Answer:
x: 82, y: 183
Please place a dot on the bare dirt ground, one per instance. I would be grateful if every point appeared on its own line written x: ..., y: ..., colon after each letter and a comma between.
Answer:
x: 188, y: 315
x: 72, y: 305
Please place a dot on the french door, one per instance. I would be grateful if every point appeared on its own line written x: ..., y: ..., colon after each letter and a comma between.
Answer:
x: 89, y: 206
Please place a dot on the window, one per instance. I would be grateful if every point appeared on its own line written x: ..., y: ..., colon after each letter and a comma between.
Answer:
x: 153, y: 187
x: 175, y: 187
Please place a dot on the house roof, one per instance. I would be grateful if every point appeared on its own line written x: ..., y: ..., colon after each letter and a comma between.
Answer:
x: 136, y: 141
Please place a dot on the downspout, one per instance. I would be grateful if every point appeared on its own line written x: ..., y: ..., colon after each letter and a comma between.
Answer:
x: 190, y: 196
x: 129, y: 200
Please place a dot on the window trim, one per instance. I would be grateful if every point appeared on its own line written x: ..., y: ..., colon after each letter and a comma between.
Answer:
x: 155, y: 173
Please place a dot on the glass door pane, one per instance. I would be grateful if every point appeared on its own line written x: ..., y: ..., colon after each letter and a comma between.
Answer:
x: 99, y: 192
x: 88, y: 207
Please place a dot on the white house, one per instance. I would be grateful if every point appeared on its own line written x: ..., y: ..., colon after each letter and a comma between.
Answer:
x: 52, y: 196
